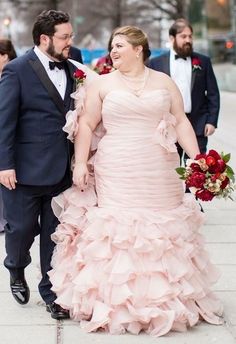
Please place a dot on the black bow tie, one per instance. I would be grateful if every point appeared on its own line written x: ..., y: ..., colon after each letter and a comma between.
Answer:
x: 59, y: 65
x: 180, y: 57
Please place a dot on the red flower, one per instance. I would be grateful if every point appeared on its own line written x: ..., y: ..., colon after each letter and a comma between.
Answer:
x: 221, y: 165
x: 197, y: 180
x: 218, y: 167
x: 204, y: 195
x: 196, y: 63
x: 215, y: 176
x: 79, y: 76
x: 195, y: 167
x: 200, y: 156
x: 214, y: 154
x: 104, y: 65
x: 210, y: 161
x: 224, y: 183
x: 105, y: 70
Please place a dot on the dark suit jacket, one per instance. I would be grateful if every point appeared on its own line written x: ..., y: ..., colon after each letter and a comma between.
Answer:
x: 32, y: 114
x: 75, y: 54
x: 204, y: 90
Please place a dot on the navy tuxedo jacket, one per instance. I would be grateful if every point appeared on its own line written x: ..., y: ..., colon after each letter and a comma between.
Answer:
x: 204, y: 90
x: 32, y: 114
x: 75, y: 54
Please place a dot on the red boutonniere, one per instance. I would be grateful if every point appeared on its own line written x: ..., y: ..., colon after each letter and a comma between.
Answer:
x: 79, y: 76
x: 196, y: 63
x: 209, y: 176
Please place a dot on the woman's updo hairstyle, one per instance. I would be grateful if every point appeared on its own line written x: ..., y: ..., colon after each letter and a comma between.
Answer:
x: 135, y: 37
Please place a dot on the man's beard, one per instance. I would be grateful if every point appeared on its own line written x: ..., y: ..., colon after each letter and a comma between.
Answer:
x: 185, y: 51
x: 51, y: 51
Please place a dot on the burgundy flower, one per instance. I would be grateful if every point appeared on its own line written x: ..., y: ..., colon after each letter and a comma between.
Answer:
x: 104, y: 65
x: 215, y: 176
x: 105, y: 70
x: 214, y: 154
x: 196, y: 63
x: 195, y: 167
x: 204, y: 195
x: 79, y: 76
x: 197, y: 180
x: 200, y: 156
x: 221, y: 165
x: 218, y: 167
x: 224, y: 183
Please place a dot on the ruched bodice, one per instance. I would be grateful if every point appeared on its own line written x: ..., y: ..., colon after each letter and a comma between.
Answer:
x: 131, y: 168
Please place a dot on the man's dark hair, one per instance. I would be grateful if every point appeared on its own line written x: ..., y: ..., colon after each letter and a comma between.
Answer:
x: 45, y: 23
x: 178, y: 26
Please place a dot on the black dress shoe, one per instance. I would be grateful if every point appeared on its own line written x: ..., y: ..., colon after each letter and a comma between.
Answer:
x: 20, y: 290
x: 57, y: 312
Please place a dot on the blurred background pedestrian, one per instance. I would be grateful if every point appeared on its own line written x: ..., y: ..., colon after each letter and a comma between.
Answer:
x: 195, y: 78
x: 7, y: 53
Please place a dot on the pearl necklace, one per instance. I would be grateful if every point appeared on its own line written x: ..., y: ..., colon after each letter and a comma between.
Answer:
x: 136, y: 84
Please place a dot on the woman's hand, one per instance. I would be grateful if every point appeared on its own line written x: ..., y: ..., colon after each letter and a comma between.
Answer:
x: 81, y: 175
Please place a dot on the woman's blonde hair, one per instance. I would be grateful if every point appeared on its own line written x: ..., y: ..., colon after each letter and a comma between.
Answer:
x: 135, y: 37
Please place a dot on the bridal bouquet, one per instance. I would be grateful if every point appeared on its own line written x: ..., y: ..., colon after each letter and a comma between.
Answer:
x: 209, y: 176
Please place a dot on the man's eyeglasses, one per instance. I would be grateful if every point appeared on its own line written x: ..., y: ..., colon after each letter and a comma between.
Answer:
x: 65, y: 37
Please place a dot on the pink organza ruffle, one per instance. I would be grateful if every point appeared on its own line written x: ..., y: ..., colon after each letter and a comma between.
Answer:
x: 132, y: 270
x: 72, y: 116
x: 165, y: 134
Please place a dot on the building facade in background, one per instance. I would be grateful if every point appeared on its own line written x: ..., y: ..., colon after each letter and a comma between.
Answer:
x: 213, y: 21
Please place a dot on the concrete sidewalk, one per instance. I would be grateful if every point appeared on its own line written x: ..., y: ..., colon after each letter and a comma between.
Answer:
x: 31, y: 324
x: 226, y: 76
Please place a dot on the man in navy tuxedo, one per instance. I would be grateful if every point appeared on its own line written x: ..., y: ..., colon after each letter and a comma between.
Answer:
x: 193, y: 74
x: 34, y: 151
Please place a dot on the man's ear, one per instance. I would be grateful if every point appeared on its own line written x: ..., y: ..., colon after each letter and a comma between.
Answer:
x: 44, y: 39
x: 172, y: 38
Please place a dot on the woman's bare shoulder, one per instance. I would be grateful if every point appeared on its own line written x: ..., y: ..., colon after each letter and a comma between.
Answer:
x: 159, y: 75
x: 160, y: 78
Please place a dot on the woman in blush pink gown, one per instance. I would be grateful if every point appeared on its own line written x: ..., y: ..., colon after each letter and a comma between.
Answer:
x: 129, y: 255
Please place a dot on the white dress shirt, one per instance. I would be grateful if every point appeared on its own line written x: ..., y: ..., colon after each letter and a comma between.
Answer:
x: 57, y: 76
x: 181, y: 73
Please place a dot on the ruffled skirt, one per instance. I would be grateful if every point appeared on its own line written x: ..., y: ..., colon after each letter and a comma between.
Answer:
x: 131, y: 270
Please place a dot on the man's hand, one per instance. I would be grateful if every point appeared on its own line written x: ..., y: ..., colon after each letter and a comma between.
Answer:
x: 209, y: 129
x: 8, y: 179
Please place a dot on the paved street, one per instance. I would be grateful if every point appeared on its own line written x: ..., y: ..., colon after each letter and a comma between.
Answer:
x: 31, y: 324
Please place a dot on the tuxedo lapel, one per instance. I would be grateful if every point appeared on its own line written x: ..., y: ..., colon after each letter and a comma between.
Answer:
x: 72, y: 68
x: 52, y: 91
x: 166, y: 64
x: 193, y: 79
x: 193, y: 72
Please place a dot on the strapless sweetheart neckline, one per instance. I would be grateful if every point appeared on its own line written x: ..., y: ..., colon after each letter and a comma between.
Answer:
x: 141, y: 96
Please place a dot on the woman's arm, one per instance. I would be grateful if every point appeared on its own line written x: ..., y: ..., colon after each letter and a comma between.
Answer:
x: 87, y: 124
